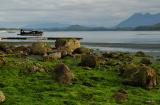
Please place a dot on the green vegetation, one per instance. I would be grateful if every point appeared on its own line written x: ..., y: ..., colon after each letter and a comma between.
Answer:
x: 94, y: 86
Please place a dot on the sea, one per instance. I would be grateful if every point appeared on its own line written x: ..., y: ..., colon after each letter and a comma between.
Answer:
x: 125, y: 41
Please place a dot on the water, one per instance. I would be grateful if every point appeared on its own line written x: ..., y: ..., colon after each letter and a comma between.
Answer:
x: 147, y: 38
x: 138, y: 37
x: 112, y: 36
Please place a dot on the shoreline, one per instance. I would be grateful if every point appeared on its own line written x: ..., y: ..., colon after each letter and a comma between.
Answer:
x: 123, y: 45
x: 151, y: 49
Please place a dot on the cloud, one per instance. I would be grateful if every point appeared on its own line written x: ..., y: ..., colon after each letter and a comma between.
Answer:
x: 85, y: 12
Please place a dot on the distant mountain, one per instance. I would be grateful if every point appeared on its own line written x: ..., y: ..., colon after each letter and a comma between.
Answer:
x: 155, y: 27
x: 63, y: 27
x: 45, y: 26
x: 84, y: 28
x: 139, y: 19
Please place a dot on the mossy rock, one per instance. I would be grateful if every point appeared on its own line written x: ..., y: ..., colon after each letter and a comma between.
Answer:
x: 52, y: 57
x: 2, y: 61
x: 82, y: 50
x: 139, y: 75
x: 39, y: 48
x: 61, y: 42
x: 7, y: 48
x: 33, y: 68
x: 118, y: 56
x: 121, y: 96
x: 63, y: 74
x: 67, y: 44
x: 146, y: 61
x: 140, y: 54
x: 90, y: 60
x: 23, y: 50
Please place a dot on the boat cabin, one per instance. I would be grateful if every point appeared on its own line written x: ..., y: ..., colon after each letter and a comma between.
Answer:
x: 30, y: 33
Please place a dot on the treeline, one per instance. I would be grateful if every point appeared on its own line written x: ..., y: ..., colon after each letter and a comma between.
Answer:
x: 155, y: 27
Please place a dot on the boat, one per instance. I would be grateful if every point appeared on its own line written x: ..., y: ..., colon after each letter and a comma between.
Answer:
x: 30, y: 33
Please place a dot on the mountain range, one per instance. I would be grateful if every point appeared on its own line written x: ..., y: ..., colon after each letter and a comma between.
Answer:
x: 140, y: 19
x: 137, y: 21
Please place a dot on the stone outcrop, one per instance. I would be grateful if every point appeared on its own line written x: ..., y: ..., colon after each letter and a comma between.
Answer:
x: 63, y: 74
x: 139, y: 75
x: 67, y: 44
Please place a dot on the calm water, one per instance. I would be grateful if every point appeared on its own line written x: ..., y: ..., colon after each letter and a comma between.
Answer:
x: 138, y: 37
x: 125, y: 37
x: 113, y: 36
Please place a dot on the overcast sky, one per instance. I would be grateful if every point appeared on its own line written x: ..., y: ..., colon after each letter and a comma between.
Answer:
x: 85, y: 12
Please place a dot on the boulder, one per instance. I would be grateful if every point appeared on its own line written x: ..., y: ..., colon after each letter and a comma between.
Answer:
x: 39, y: 48
x: 2, y: 97
x: 67, y: 44
x: 53, y: 56
x: 63, y: 74
x: 140, y: 54
x: 90, y: 60
x: 146, y: 61
x: 82, y: 50
x: 121, y: 96
x: 139, y: 75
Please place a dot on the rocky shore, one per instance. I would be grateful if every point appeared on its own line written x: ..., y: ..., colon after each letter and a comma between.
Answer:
x: 69, y: 74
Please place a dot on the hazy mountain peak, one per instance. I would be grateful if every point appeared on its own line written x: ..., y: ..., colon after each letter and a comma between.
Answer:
x: 140, y: 19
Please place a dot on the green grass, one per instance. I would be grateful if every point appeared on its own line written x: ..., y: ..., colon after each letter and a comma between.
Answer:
x: 92, y: 87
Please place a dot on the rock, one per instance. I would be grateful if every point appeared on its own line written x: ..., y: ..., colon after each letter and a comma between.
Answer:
x: 118, y: 56
x: 63, y: 74
x: 67, y: 44
x: 139, y: 75
x: 140, y: 54
x: 53, y: 56
x: 3, y: 47
x: 39, y: 48
x: 91, y: 60
x: 121, y: 96
x: 82, y: 50
x: 146, y: 61
x: 2, y: 61
x: 2, y: 97
x: 64, y: 53
x: 150, y: 102
x: 22, y: 50
x: 7, y: 48
x: 34, y: 68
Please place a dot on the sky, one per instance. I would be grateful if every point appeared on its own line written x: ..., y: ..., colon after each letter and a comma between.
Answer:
x: 84, y: 12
